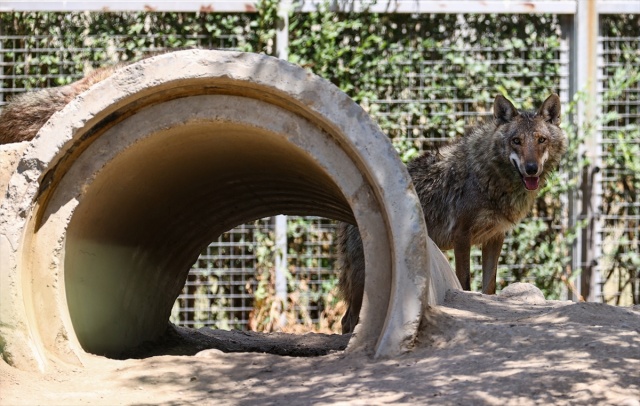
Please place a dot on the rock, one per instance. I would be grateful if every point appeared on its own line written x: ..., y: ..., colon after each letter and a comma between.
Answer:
x: 523, y: 292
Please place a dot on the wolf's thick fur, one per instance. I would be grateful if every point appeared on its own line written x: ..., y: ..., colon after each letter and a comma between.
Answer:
x: 21, y: 119
x: 472, y: 192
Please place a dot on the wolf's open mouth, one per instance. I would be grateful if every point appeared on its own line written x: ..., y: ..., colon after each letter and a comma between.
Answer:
x: 531, y: 182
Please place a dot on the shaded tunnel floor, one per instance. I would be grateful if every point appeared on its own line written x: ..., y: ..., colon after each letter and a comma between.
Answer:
x: 178, y: 340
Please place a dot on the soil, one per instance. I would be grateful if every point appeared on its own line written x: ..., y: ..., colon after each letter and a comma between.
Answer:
x: 511, y: 349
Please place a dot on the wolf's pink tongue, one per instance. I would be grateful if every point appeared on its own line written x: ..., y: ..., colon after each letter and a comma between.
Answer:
x: 531, y: 182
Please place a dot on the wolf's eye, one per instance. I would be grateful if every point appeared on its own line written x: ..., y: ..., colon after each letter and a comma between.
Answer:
x: 516, y: 141
x: 542, y: 140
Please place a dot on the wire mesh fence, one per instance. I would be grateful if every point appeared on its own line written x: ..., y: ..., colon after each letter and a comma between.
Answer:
x: 220, y: 287
x: 47, y: 61
x: 451, y: 109
x: 229, y: 283
x: 618, y: 223
x: 231, y: 277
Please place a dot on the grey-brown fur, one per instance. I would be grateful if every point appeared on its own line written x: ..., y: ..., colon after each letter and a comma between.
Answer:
x: 26, y: 113
x: 472, y: 192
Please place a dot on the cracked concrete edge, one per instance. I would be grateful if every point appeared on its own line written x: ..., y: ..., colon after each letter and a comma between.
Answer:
x: 18, y: 345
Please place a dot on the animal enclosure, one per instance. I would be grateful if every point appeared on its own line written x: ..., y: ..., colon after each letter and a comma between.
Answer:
x: 423, y: 76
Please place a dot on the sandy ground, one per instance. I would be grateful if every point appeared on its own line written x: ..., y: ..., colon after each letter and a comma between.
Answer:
x: 474, y: 350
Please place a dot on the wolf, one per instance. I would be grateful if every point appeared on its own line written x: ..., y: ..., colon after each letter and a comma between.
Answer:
x: 472, y: 191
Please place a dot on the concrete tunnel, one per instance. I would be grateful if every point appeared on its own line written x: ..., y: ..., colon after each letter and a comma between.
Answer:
x: 106, y: 210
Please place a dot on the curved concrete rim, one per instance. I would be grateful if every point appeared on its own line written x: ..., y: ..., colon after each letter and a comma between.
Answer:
x: 108, y: 207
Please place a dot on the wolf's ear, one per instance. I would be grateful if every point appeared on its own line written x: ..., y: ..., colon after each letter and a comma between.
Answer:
x: 550, y: 110
x: 503, y: 110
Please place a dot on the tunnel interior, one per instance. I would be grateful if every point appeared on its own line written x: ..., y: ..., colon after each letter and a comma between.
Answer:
x: 146, y: 215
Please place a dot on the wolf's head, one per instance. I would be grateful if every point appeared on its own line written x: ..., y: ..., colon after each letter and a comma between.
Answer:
x: 533, y: 141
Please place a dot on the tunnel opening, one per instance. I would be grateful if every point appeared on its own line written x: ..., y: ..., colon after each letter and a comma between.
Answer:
x: 148, y: 213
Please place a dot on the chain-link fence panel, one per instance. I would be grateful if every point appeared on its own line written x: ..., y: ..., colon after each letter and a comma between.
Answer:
x: 618, y: 193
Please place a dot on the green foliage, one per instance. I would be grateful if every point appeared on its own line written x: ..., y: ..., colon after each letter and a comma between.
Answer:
x: 620, y: 171
x: 54, y: 49
x: 620, y: 163
x: 421, y: 76
x: 426, y: 78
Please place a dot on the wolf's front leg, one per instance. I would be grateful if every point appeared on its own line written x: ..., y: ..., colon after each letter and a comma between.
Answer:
x: 490, y: 256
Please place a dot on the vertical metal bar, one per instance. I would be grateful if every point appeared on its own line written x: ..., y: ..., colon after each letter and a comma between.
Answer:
x: 585, y: 44
x: 597, y: 279
x: 567, y: 91
x: 282, y: 33
x: 1, y: 66
x: 281, y: 247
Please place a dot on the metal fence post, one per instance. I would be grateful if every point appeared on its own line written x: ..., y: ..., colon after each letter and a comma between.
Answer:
x: 282, y: 33
x: 280, y: 229
x: 585, y: 74
x: 1, y: 65
x: 572, y: 198
x: 281, y: 260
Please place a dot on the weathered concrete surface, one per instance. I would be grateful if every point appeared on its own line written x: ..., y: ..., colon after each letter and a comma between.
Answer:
x: 108, y: 207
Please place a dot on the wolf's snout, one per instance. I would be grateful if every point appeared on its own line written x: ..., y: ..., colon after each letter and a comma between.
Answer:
x: 531, y: 168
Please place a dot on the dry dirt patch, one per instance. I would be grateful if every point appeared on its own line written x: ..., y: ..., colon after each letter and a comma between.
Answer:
x: 475, y: 349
